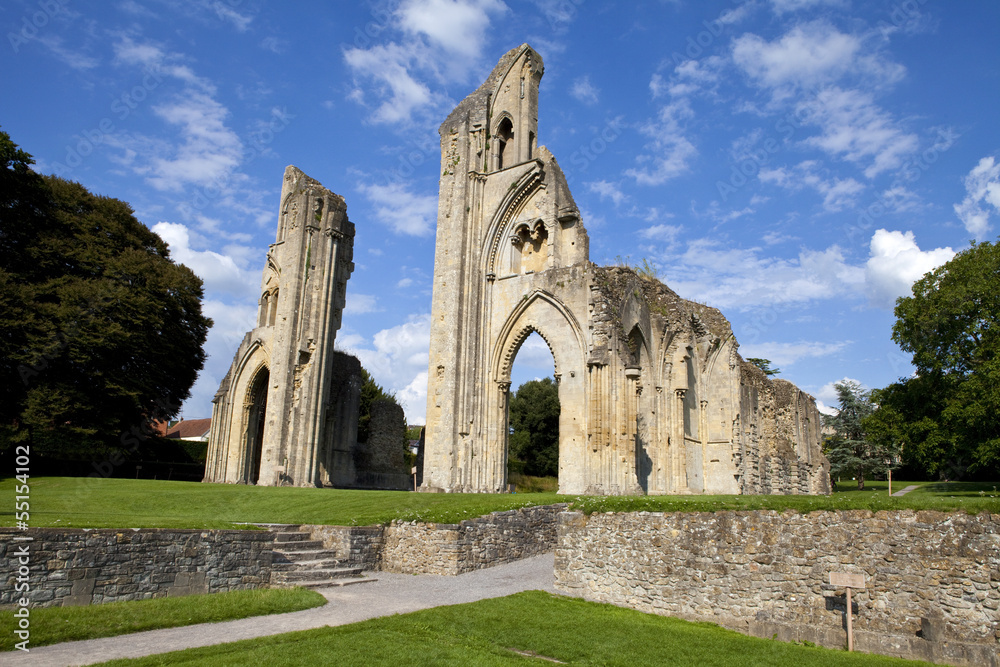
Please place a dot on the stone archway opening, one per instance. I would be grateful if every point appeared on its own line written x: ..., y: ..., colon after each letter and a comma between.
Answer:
x: 532, y: 424
x: 255, y: 414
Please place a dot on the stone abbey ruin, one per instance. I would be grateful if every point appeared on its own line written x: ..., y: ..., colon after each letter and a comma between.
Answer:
x: 287, y: 411
x: 655, y: 398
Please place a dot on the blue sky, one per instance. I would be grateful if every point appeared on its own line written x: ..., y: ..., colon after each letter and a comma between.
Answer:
x: 795, y: 163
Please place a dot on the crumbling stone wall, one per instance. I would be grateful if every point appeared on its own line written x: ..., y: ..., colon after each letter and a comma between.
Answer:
x: 80, y: 567
x: 416, y: 547
x: 932, y: 578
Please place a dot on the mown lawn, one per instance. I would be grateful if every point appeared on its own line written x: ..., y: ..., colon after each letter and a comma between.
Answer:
x: 527, y: 628
x: 83, y: 502
x: 52, y: 625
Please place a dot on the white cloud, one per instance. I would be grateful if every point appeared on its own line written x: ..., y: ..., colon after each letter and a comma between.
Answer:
x: 837, y: 193
x: 220, y: 273
x: 359, y: 304
x: 457, y: 26
x: 397, y: 359
x: 783, y: 6
x: 743, y: 279
x: 983, y: 186
x: 827, y: 398
x: 786, y: 354
x: 401, y: 210
x: 210, y: 150
x: 440, y: 40
x: 664, y: 233
x: 584, y: 91
x: 854, y: 127
x: 607, y: 191
x: 807, y: 55
x: 240, y: 21
x: 671, y: 148
x: 896, y: 262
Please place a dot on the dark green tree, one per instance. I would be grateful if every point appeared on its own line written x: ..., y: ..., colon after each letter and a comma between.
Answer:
x: 850, y: 449
x: 947, y: 416
x: 764, y: 365
x: 371, y: 392
x: 534, y: 424
x: 101, y: 332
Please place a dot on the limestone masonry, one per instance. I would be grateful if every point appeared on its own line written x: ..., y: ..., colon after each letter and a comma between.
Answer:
x: 654, y: 395
x: 932, y: 579
x: 287, y: 411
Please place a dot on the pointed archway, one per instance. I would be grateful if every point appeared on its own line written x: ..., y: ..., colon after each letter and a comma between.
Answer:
x: 255, y: 412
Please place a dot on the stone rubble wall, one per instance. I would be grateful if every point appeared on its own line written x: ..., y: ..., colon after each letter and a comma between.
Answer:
x: 932, y: 578
x: 80, y: 567
x: 413, y: 547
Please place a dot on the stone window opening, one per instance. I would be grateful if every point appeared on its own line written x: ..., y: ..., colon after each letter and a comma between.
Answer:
x: 504, y: 135
x: 272, y: 315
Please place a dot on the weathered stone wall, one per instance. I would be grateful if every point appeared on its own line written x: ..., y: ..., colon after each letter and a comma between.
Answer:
x: 412, y: 547
x: 79, y: 567
x: 933, y: 578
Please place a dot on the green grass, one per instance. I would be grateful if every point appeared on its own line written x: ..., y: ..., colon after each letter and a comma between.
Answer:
x: 510, y: 631
x: 81, y: 502
x: 87, y: 502
x: 52, y: 625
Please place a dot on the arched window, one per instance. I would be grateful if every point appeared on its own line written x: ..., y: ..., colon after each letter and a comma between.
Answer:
x: 504, y: 135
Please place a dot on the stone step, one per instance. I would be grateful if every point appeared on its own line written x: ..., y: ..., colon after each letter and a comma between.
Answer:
x: 283, y: 538
x: 295, y: 576
x: 323, y: 564
x: 303, y: 556
x: 303, y: 545
x: 335, y: 582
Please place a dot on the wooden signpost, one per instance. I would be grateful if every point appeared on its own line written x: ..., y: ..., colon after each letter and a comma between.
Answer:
x: 849, y: 580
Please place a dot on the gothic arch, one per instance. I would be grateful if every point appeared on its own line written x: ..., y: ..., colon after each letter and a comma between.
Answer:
x: 524, y: 320
x: 504, y: 221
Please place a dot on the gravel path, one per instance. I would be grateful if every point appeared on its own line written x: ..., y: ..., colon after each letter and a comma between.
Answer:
x: 391, y: 594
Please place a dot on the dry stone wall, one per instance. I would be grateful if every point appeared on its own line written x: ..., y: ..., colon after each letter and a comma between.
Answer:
x: 413, y: 547
x: 79, y: 567
x: 932, y: 578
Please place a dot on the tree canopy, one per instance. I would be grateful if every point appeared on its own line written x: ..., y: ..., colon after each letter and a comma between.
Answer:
x: 764, y: 365
x: 947, y: 417
x: 850, y: 449
x: 102, y: 333
x: 534, y: 423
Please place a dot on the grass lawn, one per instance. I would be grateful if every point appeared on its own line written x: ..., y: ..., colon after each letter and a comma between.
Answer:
x: 531, y: 627
x: 52, y: 625
x: 84, y: 502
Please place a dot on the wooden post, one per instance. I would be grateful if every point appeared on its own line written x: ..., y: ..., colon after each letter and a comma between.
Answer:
x: 850, y: 629
x: 890, y: 481
x: 848, y: 580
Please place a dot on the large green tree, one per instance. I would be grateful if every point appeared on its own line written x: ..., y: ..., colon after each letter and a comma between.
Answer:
x: 101, y: 332
x: 850, y: 449
x: 947, y: 416
x: 534, y: 424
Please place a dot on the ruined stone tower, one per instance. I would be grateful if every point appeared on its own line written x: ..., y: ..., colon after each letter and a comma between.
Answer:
x: 275, y: 419
x: 654, y: 395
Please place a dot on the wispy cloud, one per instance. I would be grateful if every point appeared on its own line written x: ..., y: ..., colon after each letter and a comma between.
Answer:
x: 403, y: 211
x: 983, y: 187
x: 584, y: 91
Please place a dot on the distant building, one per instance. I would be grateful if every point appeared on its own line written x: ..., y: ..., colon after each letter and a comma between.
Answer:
x: 190, y: 429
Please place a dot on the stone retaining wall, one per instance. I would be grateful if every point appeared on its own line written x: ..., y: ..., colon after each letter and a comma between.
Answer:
x: 932, y: 578
x: 412, y: 547
x: 79, y: 566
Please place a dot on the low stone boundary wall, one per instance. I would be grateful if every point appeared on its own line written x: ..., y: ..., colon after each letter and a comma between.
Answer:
x: 412, y: 547
x: 80, y: 566
x: 932, y: 578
